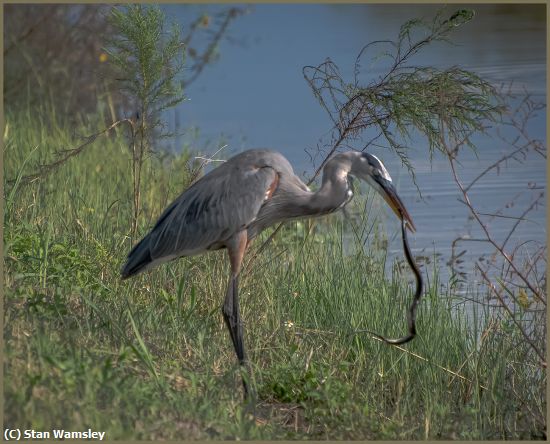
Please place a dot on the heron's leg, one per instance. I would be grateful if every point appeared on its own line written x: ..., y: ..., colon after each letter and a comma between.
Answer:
x: 236, y: 248
x: 232, y: 317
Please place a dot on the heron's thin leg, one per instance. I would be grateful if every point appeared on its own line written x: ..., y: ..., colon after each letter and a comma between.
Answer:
x: 236, y: 248
x: 233, y: 319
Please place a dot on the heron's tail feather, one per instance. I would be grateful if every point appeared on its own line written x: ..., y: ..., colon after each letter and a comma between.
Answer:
x: 139, y: 259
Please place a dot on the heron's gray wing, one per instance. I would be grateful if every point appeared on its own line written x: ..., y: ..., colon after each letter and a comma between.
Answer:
x: 217, y: 206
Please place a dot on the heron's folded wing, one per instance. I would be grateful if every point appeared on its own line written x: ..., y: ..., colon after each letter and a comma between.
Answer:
x: 211, y: 211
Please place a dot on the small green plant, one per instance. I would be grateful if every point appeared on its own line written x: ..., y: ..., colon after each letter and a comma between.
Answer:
x: 150, y: 67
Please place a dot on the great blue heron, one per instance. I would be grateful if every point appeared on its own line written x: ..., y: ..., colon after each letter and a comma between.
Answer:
x: 232, y: 204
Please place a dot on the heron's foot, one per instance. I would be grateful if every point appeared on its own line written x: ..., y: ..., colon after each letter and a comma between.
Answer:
x: 249, y: 403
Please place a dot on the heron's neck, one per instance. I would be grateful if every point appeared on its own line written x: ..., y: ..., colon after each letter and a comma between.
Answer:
x: 335, y: 191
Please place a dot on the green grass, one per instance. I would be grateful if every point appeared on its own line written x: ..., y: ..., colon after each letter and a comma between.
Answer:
x: 150, y: 358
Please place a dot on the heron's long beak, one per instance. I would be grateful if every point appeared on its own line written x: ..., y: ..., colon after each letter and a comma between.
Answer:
x: 388, y: 192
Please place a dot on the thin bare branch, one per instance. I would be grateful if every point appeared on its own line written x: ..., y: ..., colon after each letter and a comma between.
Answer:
x: 474, y: 213
x: 491, y: 286
x: 66, y: 154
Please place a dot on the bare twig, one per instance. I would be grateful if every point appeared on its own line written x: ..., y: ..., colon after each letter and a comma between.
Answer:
x: 512, y: 317
x: 65, y: 155
x: 205, y: 161
x: 522, y: 217
x: 488, y: 235
x: 495, y: 165
x: 206, y: 57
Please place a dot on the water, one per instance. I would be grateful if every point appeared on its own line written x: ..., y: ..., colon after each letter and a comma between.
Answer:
x: 255, y: 96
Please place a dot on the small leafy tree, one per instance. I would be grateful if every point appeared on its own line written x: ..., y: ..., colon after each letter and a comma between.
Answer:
x: 149, y: 63
x: 405, y: 98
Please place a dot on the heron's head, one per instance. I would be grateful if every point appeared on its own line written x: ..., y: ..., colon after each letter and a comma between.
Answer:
x: 370, y: 169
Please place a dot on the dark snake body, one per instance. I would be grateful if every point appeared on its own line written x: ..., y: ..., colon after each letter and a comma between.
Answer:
x: 417, y: 295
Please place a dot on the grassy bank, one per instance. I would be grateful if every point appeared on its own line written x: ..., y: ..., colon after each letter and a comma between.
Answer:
x: 150, y: 358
